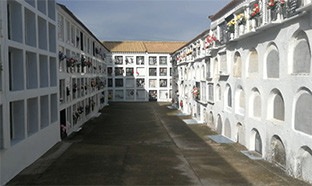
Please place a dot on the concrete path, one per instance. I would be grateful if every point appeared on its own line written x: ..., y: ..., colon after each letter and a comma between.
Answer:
x: 146, y: 144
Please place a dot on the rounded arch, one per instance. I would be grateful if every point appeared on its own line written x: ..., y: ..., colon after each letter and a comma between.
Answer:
x: 239, y: 133
x: 300, y: 53
x: 303, y: 111
x: 219, y: 124
x: 303, y: 164
x: 210, y: 122
x: 227, y: 128
x: 255, y: 103
x: 228, y: 96
x: 240, y: 100
x: 276, y: 105
x: 237, y: 66
x: 272, y: 61
x: 253, y: 65
x: 255, y: 141
x: 278, y: 151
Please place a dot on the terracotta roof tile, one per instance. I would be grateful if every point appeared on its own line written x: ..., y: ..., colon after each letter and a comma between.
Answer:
x: 143, y: 46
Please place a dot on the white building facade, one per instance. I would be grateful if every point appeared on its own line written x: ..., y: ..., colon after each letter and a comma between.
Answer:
x: 140, y: 70
x: 249, y: 78
x: 28, y: 83
x: 82, y: 72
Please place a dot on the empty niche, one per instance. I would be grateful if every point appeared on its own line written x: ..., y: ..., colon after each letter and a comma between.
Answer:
x: 303, y: 112
x: 253, y: 62
x: 228, y: 95
x: 53, y: 72
x: 31, y: 70
x: 42, y: 33
x: 130, y: 94
x: 44, y: 75
x: 53, y: 108
x: 304, y: 162
x: 163, y: 94
x: 301, y: 54
x: 32, y: 116
x: 52, y: 37
x: 278, y: 152
x: 15, y: 26
x: 17, y: 121
x: 16, y: 66
x: 237, y: 67
x: 272, y: 62
x: 277, y: 110
x: 42, y: 6
x: 240, y: 98
x: 30, y: 28
x: 219, y: 125
x: 129, y: 83
x: 256, y: 142
x: 255, y: 104
x: 44, y: 111
x: 240, y: 133
x: 227, y: 128
x: 210, y: 121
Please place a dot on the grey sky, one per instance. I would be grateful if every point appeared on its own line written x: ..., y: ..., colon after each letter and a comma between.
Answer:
x: 147, y: 20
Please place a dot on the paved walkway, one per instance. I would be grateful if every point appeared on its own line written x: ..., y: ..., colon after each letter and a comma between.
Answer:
x: 146, y: 144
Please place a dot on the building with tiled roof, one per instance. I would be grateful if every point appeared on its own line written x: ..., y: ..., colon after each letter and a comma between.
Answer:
x: 140, y: 70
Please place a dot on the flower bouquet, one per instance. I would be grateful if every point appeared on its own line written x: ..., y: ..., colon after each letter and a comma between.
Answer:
x: 231, y: 26
x: 255, y: 11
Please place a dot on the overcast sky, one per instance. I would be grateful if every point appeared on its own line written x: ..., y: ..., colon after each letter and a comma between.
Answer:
x: 146, y: 20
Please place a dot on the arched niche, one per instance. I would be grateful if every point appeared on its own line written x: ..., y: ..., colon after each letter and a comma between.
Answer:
x: 301, y: 53
x: 272, y: 62
x: 227, y: 128
x: 256, y: 141
x: 304, y: 162
x: 219, y: 124
x: 276, y: 106
x: 253, y: 65
x: 255, y: 103
x: 211, y: 120
x: 218, y: 92
x: 240, y: 133
x: 278, y: 151
x: 303, y: 112
x: 237, y: 66
x: 240, y: 100
x: 228, y: 96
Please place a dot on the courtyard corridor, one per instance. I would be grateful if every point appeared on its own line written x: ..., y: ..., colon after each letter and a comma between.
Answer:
x: 147, y: 144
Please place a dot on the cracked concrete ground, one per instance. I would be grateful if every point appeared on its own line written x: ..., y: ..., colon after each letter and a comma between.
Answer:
x: 146, y: 144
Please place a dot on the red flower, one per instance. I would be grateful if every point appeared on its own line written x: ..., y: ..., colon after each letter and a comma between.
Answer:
x: 181, y: 103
